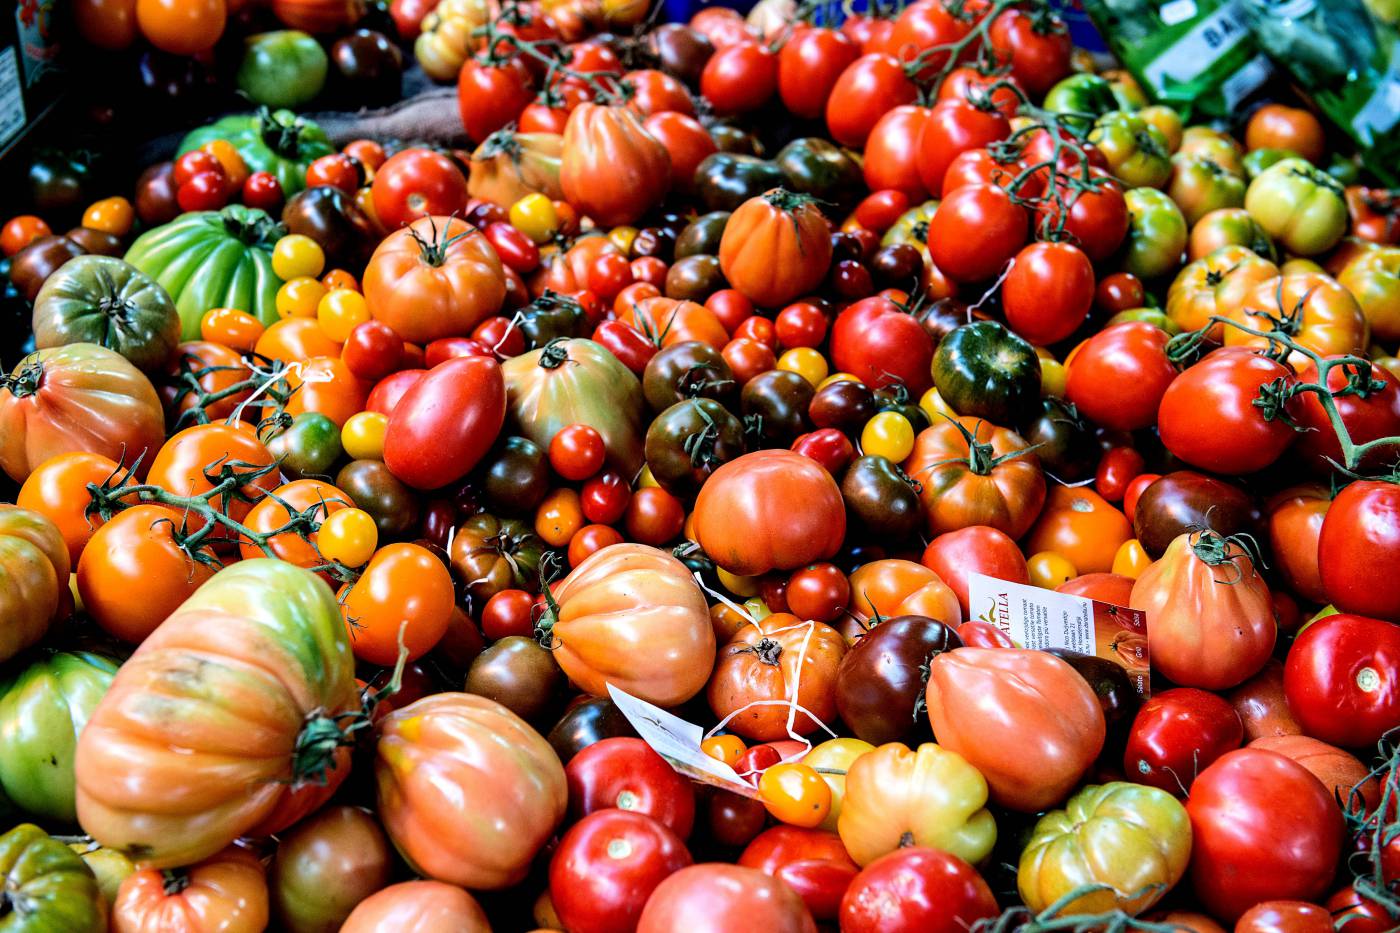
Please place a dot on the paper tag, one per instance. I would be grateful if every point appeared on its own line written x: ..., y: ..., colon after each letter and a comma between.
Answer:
x: 1203, y: 44
x: 1037, y: 618
x: 678, y: 742
x: 11, y: 96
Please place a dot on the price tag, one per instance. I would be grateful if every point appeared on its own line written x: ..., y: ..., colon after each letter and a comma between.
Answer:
x: 678, y: 742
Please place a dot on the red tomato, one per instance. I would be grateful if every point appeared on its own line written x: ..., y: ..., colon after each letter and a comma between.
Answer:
x: 1117, y: 469
x: 1048, y: 292
x: 730, y: 308
x: 1134, y: 491
x: 811, y: 862
x: 509, y: 612
x: 1235, y: 437
x: 1097, y: 220
x: 866, y: 90
x: 892, y: 159
x: 387, y: 392
x: 445, y: 422
x: 952, y: 128
x: 1286, y: 917
x: 1366, y: 419
x: 501, y: 336
x: 1119, y: 291
x: 921, y: 27
x: 980, y: 167
x: 718, y: 898
x: 975, y: 232
x: 1037, y: 48
x: 956, y: 555
x: 608, y: 865
x: 372, y: 351
x: 758, y: 329
x: 206, y: 191
x: 577, y: 452
x: 1360, y: 534
x: 1118, y: 376
x: 626, y: 343
x: 1263, y: 828
x: 447, y: 348
x: 881, y: 209
x: 881, y: 344
x: 983, y: 635
x: 491, y: 95
x: 415, y: 182
x: 656, y: 92
x: 1342, y: 679
x: 916, y: 890
x: 625, y: 773
x: 739, y: 78
x: 604, y: 498
x: 687, y: 142
x: 654, y: 516
x: 818, y: 591
x: 336, y: 170
x: 1176, y: 734
x: 808, y: 67
x: 515, y: 249
x: 827, y: 446
x: 1112, y: 588
x: 800, y: 324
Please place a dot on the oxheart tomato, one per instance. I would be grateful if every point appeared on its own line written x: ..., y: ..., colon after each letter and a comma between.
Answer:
x: 446, y: 422
x: 1360, y: 534
x: 880, y: 343
x: 763, y: 663
x: 626, y: 774
x: 1263, y: 828
x: 1209, y: 418
x: 606, y: 867
x: 916, y: 890
x: 1177, y: 733
x: 1118, y: 376
x: 812, y: 862
x: 775, y: 248
x: 1342, y: 679
x: 718, y: 898
x: 612, y: 170
x: 1053, y: 723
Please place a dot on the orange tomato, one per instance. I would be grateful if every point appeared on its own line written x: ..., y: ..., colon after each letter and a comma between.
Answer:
x: 135, y: 575
x: 227, y: 891
x: 1326, y: 317
x: 110, y: 215
x: 275, y: 510
x: 339, y: 278
x: 215, y: 368
x: 1082, y: 526
x: 20, y: 231
x: 295, y: 338
x: 235, y: 169
x: 559, y: 517
x: 666, y: 321
x: 762, y: 663
x: 893, y: 587
x: 237, y: 330
x: 181, y: 27
x: 403, y: 588
x: 325, y: 384
x: 58, y: 491
x: 590, y: 539
x: 1276, y: 126
x: 188, y: 460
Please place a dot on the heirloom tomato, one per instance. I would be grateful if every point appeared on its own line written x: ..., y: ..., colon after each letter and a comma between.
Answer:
x: 775, y: 248
x: 1317, y: 312
x: 916, y: 888
x: 972, y: 472
x: 624, y: 773
x: 1209, y: 286
x: 1210, y: 416
x: 613, y: 170
x: 49, y: 885
x: 418, y: 905
x: 34, y: 569
x: 227, y: 891
x: 1156, y: 233
x: 327, y: 865
x: 1177, y: 733
x: 445, y: 422
x: 1367, y: 417
x: 606, y: 867
x: 1118, y: 376
x: 760, y: 668
x: 1298, y: 205
x: 892, y: 587
x: 716, y: 898
x: 1360, y: 533
x: 880, y: 343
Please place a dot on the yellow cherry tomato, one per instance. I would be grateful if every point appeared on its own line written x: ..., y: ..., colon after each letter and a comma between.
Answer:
x: 838, y: 377
x: 110, y: 215
x: 363, y: 435
x: 937, y: 410
x: 1048, y: 569
x: 534, y: 215
x: 340, y: 312
x: 725, y: 748
x: 235, y: 329
x: 349, y: 537
x: 645, y: 479
x: 296, y: 255
x: 235, y: 169
x: 559, y: 517
x: 832, y: 759
x: 1052, y: 378
x: 794, y: 793
x: 890, y: 435
x: 739, y: 586
x: 806, y: 362
x: 622, y: 237
x: 1131, y: 560
x: 299, y: 297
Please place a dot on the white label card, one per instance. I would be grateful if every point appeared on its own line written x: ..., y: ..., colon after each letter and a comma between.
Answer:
x: 678, y: 742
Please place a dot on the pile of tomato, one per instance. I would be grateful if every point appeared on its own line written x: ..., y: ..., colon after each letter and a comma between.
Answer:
x: 351, y: 481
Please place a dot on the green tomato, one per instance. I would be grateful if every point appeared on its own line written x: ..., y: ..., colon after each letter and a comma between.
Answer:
x: 985, y: 371
x: 1200, y: 186
x: 286, y: 68
x: 1257, y: 161
x: 309, y: 447
x: 213, y: 259
x: 1085, y: 94
x: 1129, y: 837
x: 48, y: 888
x: 1156, y: 233
x: 1300, y: 206
x: 103, y: 300
x: 1137, y: 152
x: 1153, y: 316
x: 275, y: 141
x: 42, y: 710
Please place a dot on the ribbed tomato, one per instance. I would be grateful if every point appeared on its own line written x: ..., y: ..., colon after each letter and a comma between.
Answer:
x: 613, y: 170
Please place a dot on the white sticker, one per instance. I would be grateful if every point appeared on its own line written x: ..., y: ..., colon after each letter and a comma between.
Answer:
x: 1202, y: 46
x: 11, y: 96
x: 1177, y: 11
x: 678, y: 742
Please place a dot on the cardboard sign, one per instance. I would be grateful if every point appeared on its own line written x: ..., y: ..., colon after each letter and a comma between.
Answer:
x: 1037, y: 618
x: 678, y: 742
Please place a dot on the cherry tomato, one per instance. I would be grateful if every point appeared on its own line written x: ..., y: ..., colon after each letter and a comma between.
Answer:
x: 349, y: 537
x: 372, y: 350
x: 795, y: 794
x: 515, y: 249
x: 1119, y: 291
x: 654, y: 516
x: 20, y: 231
x: 297, y: 255
x: 731, y: 307
x: 829, y: 447
x: 110, y: 215
x: 739, y: 78
x: 801, y: 324
x: 626, y: 343
x: 819, y: 591
x: 1134, y: 490
x: 206, y: 191
x: 1117, y: 469
x: 605, y: 498
x: 405, y: 593
x: 726, y: 748
x: 231, y: 327
x: 577, y: 452
x: 590, y: 539
x: 195, y: 161
x: 609, y: 274
x: 534, y: 216
x: 263, y: 191
x: 509, y: 612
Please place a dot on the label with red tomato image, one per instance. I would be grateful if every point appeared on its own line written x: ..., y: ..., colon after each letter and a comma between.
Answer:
x: 1037, y: 618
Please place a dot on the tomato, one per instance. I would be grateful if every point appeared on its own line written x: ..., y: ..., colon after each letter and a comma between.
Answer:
x: 1038, y: 49
x: 956, y: 555
x: 866, y: 90
x: 881, y: 344
x: 739, y: 78
x: 1263, y: 828
x: 1323, y: 315
x: 975, y: 232
x: 714, y: 897
x: 608, y: 865
x: 1212, y: 285
x: 418, y: 905
x: 654, y: 516
x: 626, y: 774
x: 179, y: 27
x: 20, y: 231
x: 971, y: 85
x: 809, y: 65
x: 765, y: 662
x: 818, y: 591
x: 491, y: 95
x: 326, y: 866
x: 1238, y: 437
x: 1342, y: 679
x: 1276, y: 126
x: 1368, y: 418
x: 1300, y: 206
x: 795, y: 794
x: 437, y: 278
x: 1048, y: 293
x: 1081, y: 526
x: 613, y: 170
x: 916, y: 889
x: 57, y: 490
x: 952, y: 128
x: 779, y: 232
x: 975, y: 692
x: 967, y: 477
x: 405, y: 594
x: 227, y: 891
x: 337, y: 170
x: 921, y: 27
x: 414, y: 183
x: 748, y: 520
x: 1361, y: 531
x: 1098, y: 219
x: 1344, y: 776
x: 1176, y: 734
x: 445, y: 422
x: 1156, y: 233
x: 1373, y: 278
x: 1118, y: 376
x: 811, y: 862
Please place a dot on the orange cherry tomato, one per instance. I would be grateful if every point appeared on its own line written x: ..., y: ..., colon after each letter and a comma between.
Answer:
x: 726, y: 748
x: 326, y: 385
x: 591, y: 538
x: 235, y: 169
x: 275, y: 511
x: 295, y: 338
x: 181, y: 27
x: 559, y: 517
x: 795, y: 793
x: 1081, y: 526
x: 404, y: 588
x: 20, y: 231
x: 110, y: 215
x: 339, y: 278
x: 237, y: 330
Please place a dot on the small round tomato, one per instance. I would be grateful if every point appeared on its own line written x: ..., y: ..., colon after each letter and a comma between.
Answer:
x: 57, y: 489
x: 1117, y: 468
x: 340, y: 311
x: 890, y: 435
x: 605, y: 498
x: 110, y: 215
x: 516, y: 250
x: 336, y: 170
x: 730, y: 307
x: 819, y: 592
x: 263, y: 191
x: 626, y: 773
x: 405, y: 594
x: 1361, y: 533
x: 349, y: 537
x: 1049, y: 570
x: 795, y: 793
x: 299, y: 297
x: 726, y: 748
x: 1176, y: 734
x: 558, y: 517
x: 1119, y: 291
x: 362, y: 435
x: 507, y: 613
x: 534, y: 216
x: 415, y: 182
x: 20, y: 231
x: 235, y: 329
x: 206, y: 191
x: 372, y: 350
x: 606, y: 867
x: 801, y: 324
x: 297, y: 255
x: 1277, y: 126
x: 1342, y: 679
x: 589, y: 539
x: 975, y: 232
x: 654, y: 516
x: 577, y: 452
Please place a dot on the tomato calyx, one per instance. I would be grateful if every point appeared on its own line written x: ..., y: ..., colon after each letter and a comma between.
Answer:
x: 26, y: 382
x: 251, y: 226
x: 768, y: 650
x: 501, y: 142
x: 281, y: 135
x: 433, y: 251
x: 321, y: 735
x: 174, y: 880
x: 1217, y: 550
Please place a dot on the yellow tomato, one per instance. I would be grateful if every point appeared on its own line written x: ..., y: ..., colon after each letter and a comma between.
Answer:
x: 299, y: 297
x: 340, y: 311
x: 1048, y: 569
x: 110, y: 215
x: 363, y: 435
x: 1052, y: 378
x: 559, y: 517
x: 806, y: 362
x: 837, y: 377
x: 937, y: 410
x: 794, y: 793
x: 739, y: 586
x: 831, y: 759
x: 296, y: 255
x: 621, y: 237
x: 645, y: 479
x: 725, y: 748
x: 1131, y: 560
x: 349, y: 537
x: 534, y: 215
x: 890, y: 435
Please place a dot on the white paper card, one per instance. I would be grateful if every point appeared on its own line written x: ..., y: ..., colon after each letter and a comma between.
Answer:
x: 678, y: 742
